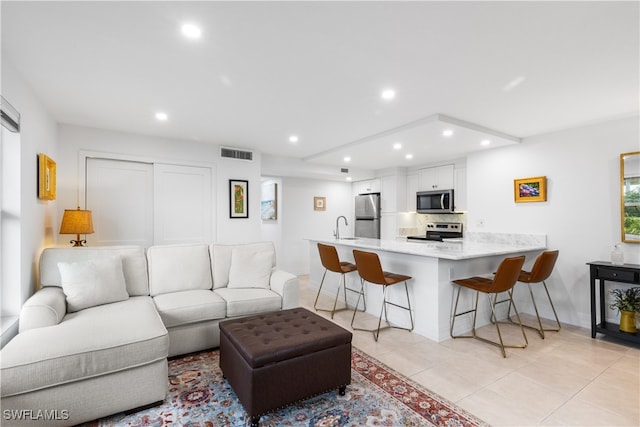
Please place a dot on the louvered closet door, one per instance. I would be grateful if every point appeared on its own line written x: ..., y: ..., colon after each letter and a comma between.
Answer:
x: 183, y: 204
x: 120, y: 194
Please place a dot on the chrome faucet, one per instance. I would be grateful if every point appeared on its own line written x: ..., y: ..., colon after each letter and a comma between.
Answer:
x: 337, y: 232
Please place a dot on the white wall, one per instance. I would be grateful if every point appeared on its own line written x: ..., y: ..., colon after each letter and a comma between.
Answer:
x: 75, y: 140
x: 301, y: 221
x: 239, y: 230
x: 38, y: 135
x: 581, y: 217
x: 271, y: 230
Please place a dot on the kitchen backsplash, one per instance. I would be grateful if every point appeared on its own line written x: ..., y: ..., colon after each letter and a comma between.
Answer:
x: 417, y: 224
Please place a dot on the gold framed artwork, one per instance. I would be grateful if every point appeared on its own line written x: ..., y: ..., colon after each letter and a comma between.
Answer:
x: 46, y: 177
x: 238, y: 198
x: 530, y: 189
x: 319, y: 203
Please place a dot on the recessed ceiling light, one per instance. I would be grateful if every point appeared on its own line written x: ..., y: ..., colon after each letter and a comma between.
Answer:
x: 485, y: 142
x: 397, y: 146
x: 447, y: 132
x: 409, y: 156
x: 349, y: 178
x: 161, y: 116
x: 388, y: 94
x: 293, y: 138
x: 191, y: 31
x: 347, y: 159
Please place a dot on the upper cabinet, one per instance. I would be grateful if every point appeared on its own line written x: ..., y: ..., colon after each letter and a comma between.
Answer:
x: 412, y: 189
x: 367, y: 186
x: 392, y: 194
x: 436, y: 178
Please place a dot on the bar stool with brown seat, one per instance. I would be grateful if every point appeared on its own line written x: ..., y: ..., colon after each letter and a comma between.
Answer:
x: 331, y: 262
x: 541, y: 270
x: 370, y: 270
x: 504, y: 279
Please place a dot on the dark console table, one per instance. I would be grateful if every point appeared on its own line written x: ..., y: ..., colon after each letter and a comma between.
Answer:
x: 605, y: 271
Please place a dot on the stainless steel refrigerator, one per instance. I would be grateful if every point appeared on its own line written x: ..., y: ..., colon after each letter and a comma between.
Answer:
x: 367, y: 213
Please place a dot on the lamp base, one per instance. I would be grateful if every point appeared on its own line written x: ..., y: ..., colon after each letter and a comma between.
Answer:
x: 78, y: 242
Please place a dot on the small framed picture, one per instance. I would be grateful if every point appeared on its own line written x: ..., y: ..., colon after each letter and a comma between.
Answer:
x: 269, y: 201
x: 319, y: 203
x: 530, y: 189
x: 46, y: 177
x: 238, y: 198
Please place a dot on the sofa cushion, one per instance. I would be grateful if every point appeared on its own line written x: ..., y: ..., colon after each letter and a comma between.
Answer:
x: 242, y: 302
x: 92, y: 282
x: 221, y: 259
x: 250, y: 269
x: 174, y: 268
x: 134, y: 264
x: 180, y: 308
x: 89, y: 343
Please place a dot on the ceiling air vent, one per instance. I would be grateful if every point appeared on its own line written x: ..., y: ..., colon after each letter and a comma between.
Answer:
x: 234, y: 153
x: 344, y: 170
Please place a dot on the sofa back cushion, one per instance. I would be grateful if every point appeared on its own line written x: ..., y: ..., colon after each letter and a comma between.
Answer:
x: 221, y: 259
x: 174, y: 268
x: 93, y: 282
x: 134, y: 264
x: 250, y: 269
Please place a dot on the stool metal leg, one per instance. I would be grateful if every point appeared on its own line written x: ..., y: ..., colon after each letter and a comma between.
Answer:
x: 492, y: 304
x: 315, y: 303
x: 540, y: 329
x: 383, y: 310
x: 474, y: 310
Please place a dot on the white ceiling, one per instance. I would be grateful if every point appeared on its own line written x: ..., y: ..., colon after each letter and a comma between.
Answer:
x: 265, y: 70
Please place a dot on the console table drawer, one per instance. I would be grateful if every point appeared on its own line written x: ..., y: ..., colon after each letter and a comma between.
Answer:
x: 617, y: 274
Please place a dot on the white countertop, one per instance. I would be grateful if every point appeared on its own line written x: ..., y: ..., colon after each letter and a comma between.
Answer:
x: 463, y: 249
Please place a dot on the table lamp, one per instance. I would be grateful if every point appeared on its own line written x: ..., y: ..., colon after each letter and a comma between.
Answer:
x: 77, y: 222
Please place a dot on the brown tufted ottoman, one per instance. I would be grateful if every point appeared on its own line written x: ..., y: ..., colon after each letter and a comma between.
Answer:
x: 274, y: 359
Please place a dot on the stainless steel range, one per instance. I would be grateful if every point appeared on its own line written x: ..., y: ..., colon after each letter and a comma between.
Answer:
x: 436, y: 231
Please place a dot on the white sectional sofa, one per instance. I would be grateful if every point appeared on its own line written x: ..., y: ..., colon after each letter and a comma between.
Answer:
x: 94, y: 340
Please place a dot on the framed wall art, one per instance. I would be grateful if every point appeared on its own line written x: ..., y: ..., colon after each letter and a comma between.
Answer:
x: 269, y: 201
x: 530, y: 189
x: 319, y: 203
x: 238, y: 198
x: 46, y: 177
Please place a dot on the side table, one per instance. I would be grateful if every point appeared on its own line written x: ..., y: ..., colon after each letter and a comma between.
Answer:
x: 607, y: 272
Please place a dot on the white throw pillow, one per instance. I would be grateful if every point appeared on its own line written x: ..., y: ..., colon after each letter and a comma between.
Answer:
x: 93, y: 282
x: 250, y: 269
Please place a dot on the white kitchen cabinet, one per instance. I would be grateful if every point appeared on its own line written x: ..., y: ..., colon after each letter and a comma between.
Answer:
x: 411, y: 190
x: 460, y: 194
x: 392, y: 193
x: 367, y: 186
x: 436, y: 178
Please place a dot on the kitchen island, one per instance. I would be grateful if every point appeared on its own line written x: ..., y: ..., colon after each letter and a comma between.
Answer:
x: 432, y: 265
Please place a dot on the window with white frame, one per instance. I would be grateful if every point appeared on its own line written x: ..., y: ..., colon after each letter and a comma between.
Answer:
x: 9, y: 219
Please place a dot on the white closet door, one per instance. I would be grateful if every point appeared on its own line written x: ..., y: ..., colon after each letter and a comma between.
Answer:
x: 183, y: 212
x: 120, y: 194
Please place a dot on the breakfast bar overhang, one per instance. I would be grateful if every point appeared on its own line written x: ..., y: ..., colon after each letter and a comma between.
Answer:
x: 433, y: 266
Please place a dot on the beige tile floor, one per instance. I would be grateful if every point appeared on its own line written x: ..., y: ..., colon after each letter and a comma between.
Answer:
x: 567, y: 379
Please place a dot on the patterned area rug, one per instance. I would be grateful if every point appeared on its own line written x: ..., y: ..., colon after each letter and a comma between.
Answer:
x: 377, y: 396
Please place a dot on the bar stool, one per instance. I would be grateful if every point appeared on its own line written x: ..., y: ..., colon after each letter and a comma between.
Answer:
x: 370, y: 270
x: 331, y: 262
x: 505, y: 278
x: 542, y: 269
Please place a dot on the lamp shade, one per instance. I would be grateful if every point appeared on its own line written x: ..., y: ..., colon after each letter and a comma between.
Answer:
x: 76, y: 222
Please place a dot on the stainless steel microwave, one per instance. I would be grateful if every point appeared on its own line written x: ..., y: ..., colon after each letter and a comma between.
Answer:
x: 439, y: 201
